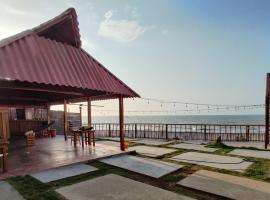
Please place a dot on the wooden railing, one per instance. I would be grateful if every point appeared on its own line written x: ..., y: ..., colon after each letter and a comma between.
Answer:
x: 232, y: 132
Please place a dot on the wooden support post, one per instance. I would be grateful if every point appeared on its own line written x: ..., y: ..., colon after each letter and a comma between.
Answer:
x: 121, y: 123
x: 166, y: 132
x: 110, y: 131
x: 266, y: 140
x: 267, y: 101
x: 80, y: 108
x: 136, y: 130
x: 65, y: 119
x: 89, y: 112
x: 48, y: 114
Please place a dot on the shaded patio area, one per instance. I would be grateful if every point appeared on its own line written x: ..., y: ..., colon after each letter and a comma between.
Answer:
x: 50, y: 153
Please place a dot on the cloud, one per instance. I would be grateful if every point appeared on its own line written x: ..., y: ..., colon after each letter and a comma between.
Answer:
x: 120, y: 30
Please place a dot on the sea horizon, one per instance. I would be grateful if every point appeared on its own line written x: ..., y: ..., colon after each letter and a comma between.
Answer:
x: 184, y: 119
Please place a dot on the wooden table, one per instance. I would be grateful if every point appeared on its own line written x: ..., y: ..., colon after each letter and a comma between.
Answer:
x: 85, y: 135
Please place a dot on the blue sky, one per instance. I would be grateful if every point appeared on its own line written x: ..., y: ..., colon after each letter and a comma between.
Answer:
x: 203, y: 51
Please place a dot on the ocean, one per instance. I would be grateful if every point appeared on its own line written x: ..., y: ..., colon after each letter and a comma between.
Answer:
x: 183, y: 119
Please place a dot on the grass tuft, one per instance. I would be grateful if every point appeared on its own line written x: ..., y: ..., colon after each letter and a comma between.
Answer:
x: 32, y: 189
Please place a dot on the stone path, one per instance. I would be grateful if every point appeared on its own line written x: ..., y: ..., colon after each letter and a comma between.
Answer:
x: 115, y: 187
x: 63, y: 172
x: 149, y: 167
x: 258, y: 145
x: 153, y: 142
x: 197, y: 147
x: 251, y: 153
x: 227, y: 185
x: 7, y: 192
x: 151, y: 151
x: 211, y: 160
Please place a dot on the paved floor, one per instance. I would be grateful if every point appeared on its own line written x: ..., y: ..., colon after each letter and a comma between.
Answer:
x: 212, y: 160
x: 7, y: 192
x: 251, y: 153
x: 153, y: 142
x: 258, y: 145
x: 197, y: 147
x: 50, y: 153
x: 151, y: 151
x: 227, y: 185
x: 114, y: 187
x: 149, y: 167
x: 63, y: 172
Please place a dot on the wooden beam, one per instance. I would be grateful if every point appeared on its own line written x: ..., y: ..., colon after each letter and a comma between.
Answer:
x: 65, y: 119
x: 40, y: 90
x: 89, y: 112
x: 121, y: 122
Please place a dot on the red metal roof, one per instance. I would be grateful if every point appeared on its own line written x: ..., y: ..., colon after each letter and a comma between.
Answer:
x: 51, y: 54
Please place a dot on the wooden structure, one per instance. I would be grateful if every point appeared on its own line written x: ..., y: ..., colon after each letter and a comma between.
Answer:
x: 4, y: 136
x: 46, y: 66
x: 267, y: 110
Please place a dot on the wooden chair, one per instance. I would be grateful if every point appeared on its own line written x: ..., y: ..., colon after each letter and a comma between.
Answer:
x: 71, y: 129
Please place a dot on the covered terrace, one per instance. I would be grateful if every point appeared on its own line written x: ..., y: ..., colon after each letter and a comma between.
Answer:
x: 46, y: 66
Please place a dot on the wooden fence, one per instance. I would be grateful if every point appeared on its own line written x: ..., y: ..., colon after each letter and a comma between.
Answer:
x: 240, y: 132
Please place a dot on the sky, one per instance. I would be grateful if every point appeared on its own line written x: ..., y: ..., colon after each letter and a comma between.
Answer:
x: 202, y: 51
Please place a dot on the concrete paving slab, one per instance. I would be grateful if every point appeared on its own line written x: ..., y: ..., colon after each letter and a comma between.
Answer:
x: 197, y: 147
x: 117, y: 139
x: 153, y: 142
x: 151, y: 151
x: 115, y: 187
x: 63, y: 172
x: 202, y: 142
x: 149, y: 167
x: 7, y: 192
x: 229, y: 186
x: 251, y: 153
x: 212, y: 160
x: 258, y: 145
x: 110, y: 143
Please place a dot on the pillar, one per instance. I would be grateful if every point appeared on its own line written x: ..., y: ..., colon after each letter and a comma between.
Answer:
x: 121, y: 123
x: 65, y: 119
x: 89, y: 112
x: 80, y: 108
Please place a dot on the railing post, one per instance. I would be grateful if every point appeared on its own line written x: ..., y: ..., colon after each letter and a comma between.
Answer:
x: 247, y: 133
x: 166, y: 131
x: 204, y: 132
x: 135, y: 130
x: 110, y: 132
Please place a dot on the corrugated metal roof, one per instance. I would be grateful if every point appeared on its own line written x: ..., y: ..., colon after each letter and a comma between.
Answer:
x: 31, y: 57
